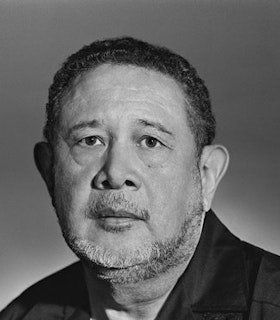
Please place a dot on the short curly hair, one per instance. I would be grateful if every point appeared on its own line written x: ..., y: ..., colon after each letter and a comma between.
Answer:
x: 130, y: 51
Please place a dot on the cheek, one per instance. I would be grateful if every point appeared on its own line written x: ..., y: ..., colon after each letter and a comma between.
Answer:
x: 72, y: 192
x: 170, y: 189
x: 87, y: 157
x: 72, y: 185
x: 165, y: 194
x: 154, y: 159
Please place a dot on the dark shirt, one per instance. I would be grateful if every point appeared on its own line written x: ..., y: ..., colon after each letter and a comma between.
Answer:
x: 227, y: 279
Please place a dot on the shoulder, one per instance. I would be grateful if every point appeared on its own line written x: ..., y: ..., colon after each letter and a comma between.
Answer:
x: 267, y: 288
x: 264, y: 276
x: 53, y: 292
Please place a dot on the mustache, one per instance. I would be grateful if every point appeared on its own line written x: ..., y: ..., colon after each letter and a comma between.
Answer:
x: 116, y: 202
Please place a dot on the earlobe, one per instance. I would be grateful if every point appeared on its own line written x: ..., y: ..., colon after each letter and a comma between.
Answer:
x: 43, y: 156
x: 213, y: 165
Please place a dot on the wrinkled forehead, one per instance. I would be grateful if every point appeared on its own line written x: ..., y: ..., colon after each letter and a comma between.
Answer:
x: 129, y: 78
x: 127, y: 83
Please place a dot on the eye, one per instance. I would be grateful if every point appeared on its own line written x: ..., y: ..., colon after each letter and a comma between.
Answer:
x: 150, y: 142
x: 91, y: 141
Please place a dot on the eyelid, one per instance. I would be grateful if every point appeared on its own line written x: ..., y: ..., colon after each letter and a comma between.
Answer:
x: 152, y: 137
x: 163, y: 142
x: 81, y: 141
x: 79, y: 134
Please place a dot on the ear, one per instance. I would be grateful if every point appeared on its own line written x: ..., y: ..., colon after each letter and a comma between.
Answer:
x: 213, y: 165
x: 43, y: 156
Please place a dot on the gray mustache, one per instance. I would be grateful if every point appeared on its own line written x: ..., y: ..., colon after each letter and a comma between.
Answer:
x: 116, y: 202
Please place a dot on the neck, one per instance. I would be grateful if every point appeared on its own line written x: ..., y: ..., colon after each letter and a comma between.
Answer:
x: 141, y: 300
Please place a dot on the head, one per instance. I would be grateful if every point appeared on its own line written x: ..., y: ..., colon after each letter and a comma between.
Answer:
x: 128, y: 158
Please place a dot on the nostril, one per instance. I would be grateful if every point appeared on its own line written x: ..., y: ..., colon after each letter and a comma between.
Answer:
x: 129, y: 183
x: 106, y: 184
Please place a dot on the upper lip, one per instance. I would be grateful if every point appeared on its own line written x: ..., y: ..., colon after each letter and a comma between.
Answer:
x: 110, y: 213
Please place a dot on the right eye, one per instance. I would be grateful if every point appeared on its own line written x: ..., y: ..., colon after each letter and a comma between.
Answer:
x: 91, y: 141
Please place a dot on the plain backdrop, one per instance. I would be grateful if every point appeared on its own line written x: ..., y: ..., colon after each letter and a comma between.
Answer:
x: 235, y: 46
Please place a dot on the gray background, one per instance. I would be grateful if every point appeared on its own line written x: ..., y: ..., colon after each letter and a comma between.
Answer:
x: 234, y: 45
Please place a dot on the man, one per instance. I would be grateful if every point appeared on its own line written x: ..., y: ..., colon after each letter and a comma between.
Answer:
x: 131, y: 170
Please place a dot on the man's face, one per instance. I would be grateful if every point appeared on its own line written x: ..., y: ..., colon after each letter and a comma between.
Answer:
x: 127, y: 188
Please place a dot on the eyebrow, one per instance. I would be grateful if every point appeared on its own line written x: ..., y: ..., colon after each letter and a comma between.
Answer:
x: 82, y: 125
x: 96, y: 123
x: 154, y: 124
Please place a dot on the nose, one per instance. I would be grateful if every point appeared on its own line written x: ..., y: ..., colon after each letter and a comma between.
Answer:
x: 119, y: 171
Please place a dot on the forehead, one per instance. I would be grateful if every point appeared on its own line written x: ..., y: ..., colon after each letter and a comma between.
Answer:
x: 127, y: 89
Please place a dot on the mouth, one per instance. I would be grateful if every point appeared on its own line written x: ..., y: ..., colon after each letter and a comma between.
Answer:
x: 119, y: 214
x: 116, y: 221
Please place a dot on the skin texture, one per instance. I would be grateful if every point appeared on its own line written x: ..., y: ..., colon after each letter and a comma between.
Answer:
x: 128, y: 189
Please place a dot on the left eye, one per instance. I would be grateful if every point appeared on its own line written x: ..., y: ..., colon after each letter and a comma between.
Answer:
x: 91, y: 141
x: 150, y: 142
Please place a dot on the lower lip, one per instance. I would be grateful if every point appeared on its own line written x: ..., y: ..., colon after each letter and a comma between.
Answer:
x: 113, y: 224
